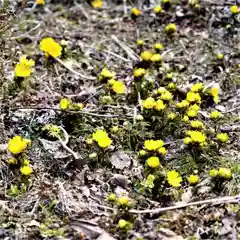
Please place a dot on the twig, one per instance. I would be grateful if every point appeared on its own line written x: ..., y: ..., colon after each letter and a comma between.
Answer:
x: 214, y: 201
x: 26, y: 33
x: 127, y: 49
x: 68, y: 111
x: 65, y: 142
x: 73, y: 71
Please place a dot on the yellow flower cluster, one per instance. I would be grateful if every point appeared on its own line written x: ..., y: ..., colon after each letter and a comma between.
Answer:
x: 101, y: 137
x: 153, y: 145
x: 221, y: 172
x: 24, y: 67
x: 174, y: 179
x: 50, y: 47
x: 17, y: 145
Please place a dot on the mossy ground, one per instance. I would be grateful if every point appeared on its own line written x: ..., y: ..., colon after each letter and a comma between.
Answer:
x: 67, y: 197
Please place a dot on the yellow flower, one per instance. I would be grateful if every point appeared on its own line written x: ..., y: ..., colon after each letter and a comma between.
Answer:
x: 171, y: 85
x: 12, y: 161
x: 26, y: 170
x: 187, y: 140
x: 140, y: 42
x: 106, y: 73
x: 50, y: 47
x: 182, y: 104
x: 193, y: 179
x: 197, y: 137
x: 160, y: 105
x: 101, y: 137
x: 174, y: 179
x: 161, y: 90
x: 169, y: 75
x: 17, y: 145
x: 158, y: 46
x: 193, y: 97
x: 146, y: 55
x: 123, y: 201
x: 153, y: 162
x: 118, y: 87
x: 171, y: 116
x: 220, y: 56
x: 149, y: 103
x: 136, y: 12
x: 194, y: 107
x: 111, y: 81
x: 171, y: 28
x: 24, y: 67
x: 142, y: 153
x: 111, y: 197
x: 192, y: 113
x: 97, y: 3
x: 79, y: 106
x: 215, y: 92
x: 185, y: 118
x: 26, y: 162
x: 222, y: 137
x: 152, y: 145
x: 215, y: 114
x: 122, y: 223
x: 234, y: 9
x: 40, y: 2
x: 197, y: 87
x: 213, y: 173
x: 166, y: 96
x: 156, y: 58
x: 162, y: 151
x: 64, y: 104
x: 139, y: 72
x: 157, y: 9
x: 225, y: 173
x: 196, y: 124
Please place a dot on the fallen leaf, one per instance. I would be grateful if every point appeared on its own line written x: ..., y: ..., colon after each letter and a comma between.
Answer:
x: 120, y: 160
